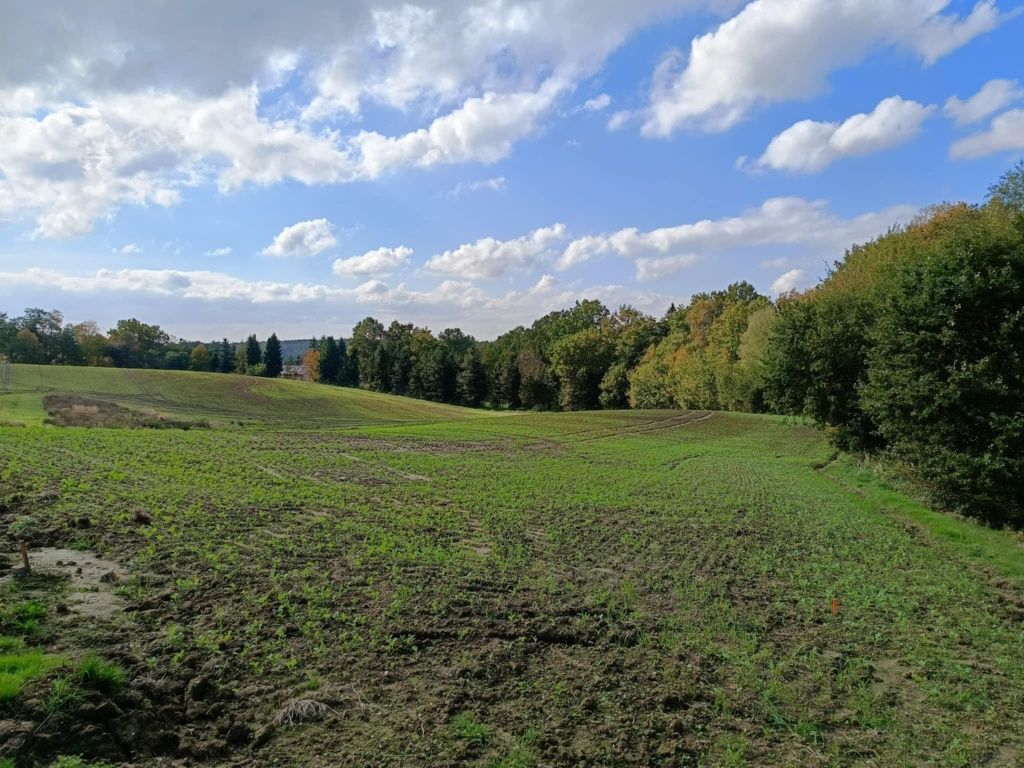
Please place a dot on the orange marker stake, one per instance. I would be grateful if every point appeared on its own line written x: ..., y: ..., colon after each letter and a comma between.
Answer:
x: 835, y: 606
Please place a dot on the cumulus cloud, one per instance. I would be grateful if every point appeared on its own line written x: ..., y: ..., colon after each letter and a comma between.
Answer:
x: 390, y: 53
x: 128, y: 249
x: 381, y: 261
x: 778, y: 221
x: 787, y: 281
x: 1006, y: 133
x: 225, y: 251
x: 444, y: 53
x: 99, y: 109
x: 809, y: 146
x: 495, y: 184
x: 598, y: 103
x: 70, y: 165
x: 489, y: 258
x: 993, y: 96
x: 778, y: 50
x: 307, y: 238
x: 483, y: 129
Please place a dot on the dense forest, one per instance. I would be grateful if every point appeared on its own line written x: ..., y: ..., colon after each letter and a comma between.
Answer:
x: 912, y: 347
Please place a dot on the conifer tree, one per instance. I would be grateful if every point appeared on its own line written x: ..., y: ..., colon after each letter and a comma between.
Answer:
x: 252, y: 351
x: 272, y: 361
x: 330, y: 360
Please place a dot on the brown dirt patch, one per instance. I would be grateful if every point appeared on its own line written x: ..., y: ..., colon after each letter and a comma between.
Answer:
x: 92, y: 580
x: 73, y: 411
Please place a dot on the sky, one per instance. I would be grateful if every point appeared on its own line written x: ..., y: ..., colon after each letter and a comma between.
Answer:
x: 256, y: 166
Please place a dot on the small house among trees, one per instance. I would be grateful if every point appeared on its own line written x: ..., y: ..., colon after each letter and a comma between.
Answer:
x: 296, y: 372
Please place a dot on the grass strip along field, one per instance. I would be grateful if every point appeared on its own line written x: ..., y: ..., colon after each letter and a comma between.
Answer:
x: 356, y: 579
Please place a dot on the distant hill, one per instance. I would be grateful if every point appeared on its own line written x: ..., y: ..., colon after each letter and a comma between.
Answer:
x: 294, y: 347
x: 289, y: 347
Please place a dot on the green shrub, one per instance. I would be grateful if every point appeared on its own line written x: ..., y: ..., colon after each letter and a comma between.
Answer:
x: 946, y: 368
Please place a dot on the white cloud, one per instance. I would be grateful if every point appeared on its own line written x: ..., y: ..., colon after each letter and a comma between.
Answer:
x: 939, y: 35
x: 1004, y: 134
x: 130, y: 248
x: 444, y: 53
x: 307, y: 238
x: 489, y: 258
x: 787, y: 281
x: 663, y: 266
x: 225, y: 251
x: 778, y: 50
x: 598, y: 103
x: 69, y: 165
x: 993, y: 96
x: 778, y: 221
x: 619, y: 120
x: 483, y: 129
x: 495, y: 184
x: 99, y: 108
x: 390, y: 53
x: 451, y: 303
x: 381, y: 261
x: 809, y: 146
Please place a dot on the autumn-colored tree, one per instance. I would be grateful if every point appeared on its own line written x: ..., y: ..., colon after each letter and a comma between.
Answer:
x: 311, y: 362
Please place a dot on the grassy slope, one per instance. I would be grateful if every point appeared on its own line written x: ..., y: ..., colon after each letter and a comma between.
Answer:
x: 617, y: 588
x: 217, y: 397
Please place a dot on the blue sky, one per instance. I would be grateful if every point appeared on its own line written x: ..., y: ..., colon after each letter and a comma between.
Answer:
x: 294, y: 169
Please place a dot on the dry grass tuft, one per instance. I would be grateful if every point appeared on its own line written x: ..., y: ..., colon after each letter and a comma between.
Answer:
x: 302, y: 711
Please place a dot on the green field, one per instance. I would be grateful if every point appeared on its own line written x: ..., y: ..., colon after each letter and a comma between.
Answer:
x: 330, y: 577
x: 223, y: 400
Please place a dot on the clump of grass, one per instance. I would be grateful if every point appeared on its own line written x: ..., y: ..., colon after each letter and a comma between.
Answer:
x: 465, y: 726
x: 302, y: 711
x: 18, y: 666
x: 22, y: 526
x: 22, y: 618
x: 63, y: 695
x: 6, y: 762
x: 104, y: 676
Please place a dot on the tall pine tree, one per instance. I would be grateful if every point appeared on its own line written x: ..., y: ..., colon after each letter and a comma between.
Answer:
x: 227, y: 357
x: 252, y: 351
x: 272, y: 361
x: 348, y: 376
x: 330, y: 360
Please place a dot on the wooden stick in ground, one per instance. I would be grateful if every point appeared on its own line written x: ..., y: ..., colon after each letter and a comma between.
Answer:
x: 24, y: 558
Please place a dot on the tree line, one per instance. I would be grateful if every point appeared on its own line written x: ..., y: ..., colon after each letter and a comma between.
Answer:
x: 40, y: 336
x: 911, y: 348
